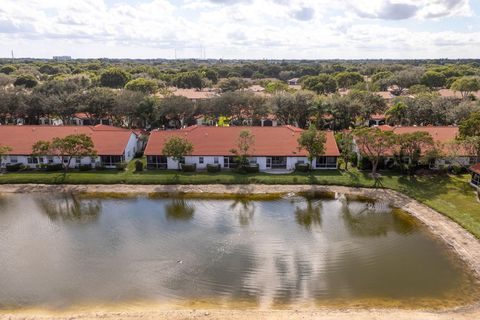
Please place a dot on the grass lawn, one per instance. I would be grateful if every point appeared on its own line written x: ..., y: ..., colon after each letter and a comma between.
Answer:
x: 450, y: 195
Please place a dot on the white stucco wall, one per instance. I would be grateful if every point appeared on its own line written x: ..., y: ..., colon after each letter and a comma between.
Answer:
x: 24, y: 160
x: 131, y: 147
x: 261, y: 161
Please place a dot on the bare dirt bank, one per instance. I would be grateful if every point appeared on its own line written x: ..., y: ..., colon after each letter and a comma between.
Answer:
x: 461, y: 241
x: 257, y: 315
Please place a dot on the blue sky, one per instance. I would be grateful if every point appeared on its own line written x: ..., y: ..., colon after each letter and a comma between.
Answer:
x: 239, y: 29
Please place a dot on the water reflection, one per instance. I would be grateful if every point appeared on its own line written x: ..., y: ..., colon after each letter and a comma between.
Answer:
x: 367, y: 219
x: 309, y: 215
x: 194, y: 250
x: 244, y: 209
x: 69, y: 207
x: 179, y: 209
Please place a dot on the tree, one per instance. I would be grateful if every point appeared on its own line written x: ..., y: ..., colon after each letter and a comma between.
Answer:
x: 471, y: 126
x: 176, y: 109
x: 142, y: 85
x: 3, y: 151
x: 321, y: 84
x: 348, y: 79
x: 472, y: 146
x: 26, y: 80
x: 313, y: 141
x: 397, y: 114
x: 346, y: 146
x: 407, y: 78
x: 466, y: 85
x: 177, y: 148
x: 343, y: 109
x: 68, y: 147
x: 232, y: 84
x: 188, y: 80
x: 414, y: 145
x: 98, y: 103
x: 7, y: 69
x: 211, y: 75
x: 381, y: 76
x: 245, y: 142
x: 433, y: 79
x: 275, y: 86
x: 114, y: 78
x: 293, y: 108
x: 373, y: 143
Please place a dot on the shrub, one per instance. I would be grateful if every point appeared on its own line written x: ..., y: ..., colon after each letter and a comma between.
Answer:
x: 364, y: 164
x: 213, y: 168
x: 85, y: 167
x: 138, y: 166
x: 248, y: 168
x: 121, y: 166
x: 189, y: 167
x: 14, y: 167
x: 354, y: 159
x: 456, y: 169
x: 100, y: 168
x: 302, y: 167
x: 252, y: 168
x: 53, y: 167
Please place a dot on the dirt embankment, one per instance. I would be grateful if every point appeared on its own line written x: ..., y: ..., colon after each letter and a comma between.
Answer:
x: 460, y: 240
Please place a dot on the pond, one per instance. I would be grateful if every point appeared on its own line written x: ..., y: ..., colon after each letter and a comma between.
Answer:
x: 63, y: 250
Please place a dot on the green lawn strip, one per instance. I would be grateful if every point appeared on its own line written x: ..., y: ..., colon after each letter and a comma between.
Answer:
x: 450, y: 195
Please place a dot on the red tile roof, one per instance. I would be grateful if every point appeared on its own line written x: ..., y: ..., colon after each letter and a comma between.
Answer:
x: 377, y: 116
x: 218, y: 141
x: 107, y: 140
x: 475, y: 168
x: 440, y: 134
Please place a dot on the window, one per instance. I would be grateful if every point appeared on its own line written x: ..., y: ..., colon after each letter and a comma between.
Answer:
x: 111, y: 160
x: 476, y: 179
x: 156, y: 162
x: 215, y: 160
x: 326, y: 162
x: 50, y: 159
x: 472, y: 160
x: 200, y: 160
x: 252, y: 160
x: 33, y: 160
x: 13, y: 159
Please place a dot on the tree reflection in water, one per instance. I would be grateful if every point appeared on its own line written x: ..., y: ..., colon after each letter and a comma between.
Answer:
x: 179, y: 209
x: 370, y: 221
x: 245, y: 209
x: 68, y: 207
x: 311, y: 215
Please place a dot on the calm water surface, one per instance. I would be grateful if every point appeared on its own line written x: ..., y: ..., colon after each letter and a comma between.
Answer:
x: 64, y: 250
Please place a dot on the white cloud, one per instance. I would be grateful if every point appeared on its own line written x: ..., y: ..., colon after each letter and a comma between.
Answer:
x: 231, y: 29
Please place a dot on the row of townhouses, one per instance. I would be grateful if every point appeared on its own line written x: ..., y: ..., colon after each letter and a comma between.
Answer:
x: 274, y: 148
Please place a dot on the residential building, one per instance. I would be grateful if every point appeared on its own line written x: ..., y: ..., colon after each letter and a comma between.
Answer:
x: 442, y: 136
x: 274, y: 148
x: 376, y: 119
x: 85, y: 119
x: 293, y: 82
x: 475, y: 170
x: 113, y: 145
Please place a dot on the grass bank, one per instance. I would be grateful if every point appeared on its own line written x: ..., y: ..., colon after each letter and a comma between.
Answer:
x: 450, y: 195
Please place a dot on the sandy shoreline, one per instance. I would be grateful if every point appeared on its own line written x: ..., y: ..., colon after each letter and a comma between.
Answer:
x: 461, y: 241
